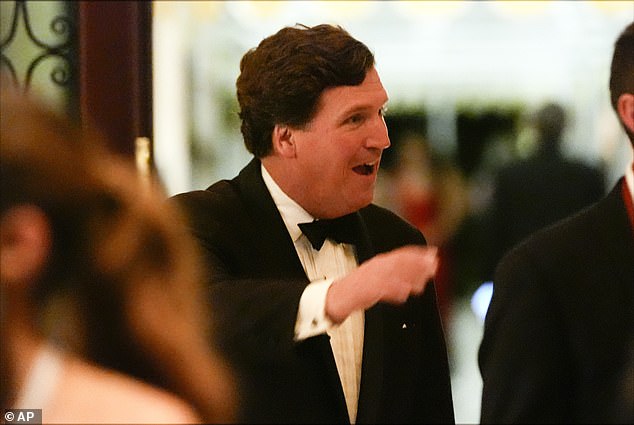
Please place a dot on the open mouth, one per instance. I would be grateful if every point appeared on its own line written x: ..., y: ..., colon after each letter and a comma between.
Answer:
x: 364, y: 169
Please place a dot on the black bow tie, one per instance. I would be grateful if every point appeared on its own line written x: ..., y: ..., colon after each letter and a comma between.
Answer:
x: 339, y: 229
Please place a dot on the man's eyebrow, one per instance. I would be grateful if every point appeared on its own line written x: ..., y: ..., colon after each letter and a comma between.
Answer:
x: 362, y: 107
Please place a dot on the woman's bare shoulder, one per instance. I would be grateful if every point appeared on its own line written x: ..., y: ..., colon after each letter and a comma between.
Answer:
x: 89, y: 394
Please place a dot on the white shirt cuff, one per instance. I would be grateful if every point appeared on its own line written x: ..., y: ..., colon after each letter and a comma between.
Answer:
x: 311, y: 316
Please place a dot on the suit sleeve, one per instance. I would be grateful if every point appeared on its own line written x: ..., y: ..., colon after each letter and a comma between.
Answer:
x: 523, y: 350
x: 256, y: 314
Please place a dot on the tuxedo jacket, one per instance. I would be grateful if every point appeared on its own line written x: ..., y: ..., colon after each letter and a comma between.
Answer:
x: 256, y: 280
x: 558, y: 333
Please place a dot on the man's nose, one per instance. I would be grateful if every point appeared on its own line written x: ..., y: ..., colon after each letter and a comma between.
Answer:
x: 378, y: 138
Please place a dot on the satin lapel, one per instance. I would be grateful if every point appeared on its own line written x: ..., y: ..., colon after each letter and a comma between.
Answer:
x: 372, y: 366
x: 267, y: 217
x: 268, y: 220
x: 363, y: 249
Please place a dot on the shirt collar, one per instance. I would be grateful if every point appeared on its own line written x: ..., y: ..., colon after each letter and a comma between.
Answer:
x: 629, y: 179
x: 292, y: 213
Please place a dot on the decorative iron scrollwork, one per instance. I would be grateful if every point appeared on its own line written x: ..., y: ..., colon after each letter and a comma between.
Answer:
x: 62, y: 26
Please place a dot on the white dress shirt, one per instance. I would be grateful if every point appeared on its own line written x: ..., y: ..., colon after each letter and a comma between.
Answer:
x: 322, y: 267
x: 629, y: 178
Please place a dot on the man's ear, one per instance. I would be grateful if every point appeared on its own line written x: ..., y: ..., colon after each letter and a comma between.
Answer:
x: 25, y: 244
x: 625, y: 109
x: 283, y: 141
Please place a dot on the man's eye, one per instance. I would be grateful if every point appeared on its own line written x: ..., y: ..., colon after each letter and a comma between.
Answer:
x: 355, y: 119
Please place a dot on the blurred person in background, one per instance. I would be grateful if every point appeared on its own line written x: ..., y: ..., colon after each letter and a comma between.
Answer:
x: 428, y: 191
x: 103, y: 317
x: 558, y: 335
x: 333, y: 328
x: 532, y: 193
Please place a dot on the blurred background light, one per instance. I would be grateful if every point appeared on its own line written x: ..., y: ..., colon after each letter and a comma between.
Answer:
x: 481, y: 299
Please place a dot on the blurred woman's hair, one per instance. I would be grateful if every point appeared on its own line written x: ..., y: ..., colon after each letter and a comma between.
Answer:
x: 123, y: 284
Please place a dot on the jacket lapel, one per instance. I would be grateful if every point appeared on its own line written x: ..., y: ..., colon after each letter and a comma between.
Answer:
x: 372, y: 366
x: 286, y: 262
x: 268, y: 221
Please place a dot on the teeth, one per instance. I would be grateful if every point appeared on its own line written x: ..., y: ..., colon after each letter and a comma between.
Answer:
x: 366, y: 168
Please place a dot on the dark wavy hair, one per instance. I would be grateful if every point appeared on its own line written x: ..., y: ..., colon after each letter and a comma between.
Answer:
x: 281, y: 80
x: 622, y: 68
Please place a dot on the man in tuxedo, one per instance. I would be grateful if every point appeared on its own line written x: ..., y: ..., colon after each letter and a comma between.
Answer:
x: 534, y: 192
x: 335, y: 330
x: 557, y: 343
